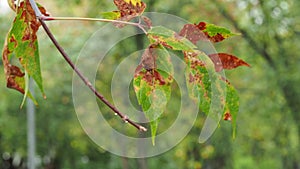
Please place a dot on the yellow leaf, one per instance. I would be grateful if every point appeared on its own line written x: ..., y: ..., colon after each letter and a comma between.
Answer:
x: 133, y: 2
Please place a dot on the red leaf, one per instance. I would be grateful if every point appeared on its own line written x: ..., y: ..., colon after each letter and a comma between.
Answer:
x: 226, y: 61
x: 216, y: 38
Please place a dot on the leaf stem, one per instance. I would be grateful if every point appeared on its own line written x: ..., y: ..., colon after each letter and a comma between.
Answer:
x: 139, y: 25
x: 78, y: 72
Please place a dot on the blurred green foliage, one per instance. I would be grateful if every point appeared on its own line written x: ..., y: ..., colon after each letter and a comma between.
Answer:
x: 268, y: 121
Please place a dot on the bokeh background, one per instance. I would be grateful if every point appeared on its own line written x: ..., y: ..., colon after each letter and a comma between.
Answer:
x: 268, y: 121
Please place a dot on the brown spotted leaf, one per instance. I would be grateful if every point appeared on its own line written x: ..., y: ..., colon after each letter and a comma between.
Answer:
x: 129, y: 9
x: 204, y: 31
x: 21, y: 42
x: 226, y: 61
x: 169, y: 39
x: 214, y: 33
x: 215, y: 95
x: 152, y: 84
x: 198, y: 80
x: 192, y: 33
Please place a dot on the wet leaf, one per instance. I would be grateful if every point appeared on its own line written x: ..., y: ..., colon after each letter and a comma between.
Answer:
x: 226, y: 61
x: 169, y: 39
x: 152, y: 84
x: 21, y: 42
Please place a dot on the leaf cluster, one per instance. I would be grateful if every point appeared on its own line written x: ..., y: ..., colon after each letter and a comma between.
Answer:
x: 155, y: 73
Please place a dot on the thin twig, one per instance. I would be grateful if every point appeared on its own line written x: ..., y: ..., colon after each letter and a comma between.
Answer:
x: 86, y: 81
x: 78, y: 72
x: 139, y: 25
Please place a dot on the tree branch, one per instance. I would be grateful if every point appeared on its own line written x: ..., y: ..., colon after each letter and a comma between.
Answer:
x: 247, y: 35
x: 139, y: 25
x: 78, y: 72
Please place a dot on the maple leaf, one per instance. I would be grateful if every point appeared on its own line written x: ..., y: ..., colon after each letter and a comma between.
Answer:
x: 152, y: 84
x: 226, y: 61
x: 22, y: 43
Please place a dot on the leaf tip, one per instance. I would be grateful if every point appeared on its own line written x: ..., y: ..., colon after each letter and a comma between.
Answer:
x: 227, y: 116
x: 234, y: 133
x: 153, y: 140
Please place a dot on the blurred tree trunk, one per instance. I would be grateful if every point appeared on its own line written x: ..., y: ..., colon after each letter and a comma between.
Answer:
x: 125, y: 164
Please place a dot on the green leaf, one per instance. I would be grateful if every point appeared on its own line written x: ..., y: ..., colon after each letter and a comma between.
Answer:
x: 215, y: 33
x: 114, y: 15
x: 21, y: 42
x: 216, y: 96
x: 152, y: 84
x: 213, y: 30
x: 198, y: 79
x: 231, y: 106
x: 169, y: 39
